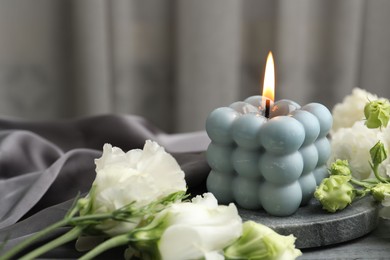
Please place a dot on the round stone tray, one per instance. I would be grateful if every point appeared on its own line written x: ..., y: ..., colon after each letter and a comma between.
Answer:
x: 314, y: 227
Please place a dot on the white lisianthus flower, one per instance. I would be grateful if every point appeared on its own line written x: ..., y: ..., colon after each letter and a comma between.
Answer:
x: 351, y: 110
x: 354, y: 144
x: 200, y: 229
x: 138, y: 176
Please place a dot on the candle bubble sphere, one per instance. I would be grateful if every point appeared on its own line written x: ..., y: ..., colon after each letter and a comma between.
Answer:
x: 220, y: 184
x: 281, y: 169
x: 218, y: 125
x: 308, y: 186
x: 282, y: 134
x: 310, y: 124
x: 219, y: 157
x: 246, y: 129
x: 244, y: 108
x: 323, y: 149
x: 323, y: 115
x: 283, y: 107
x: 310, y: 157
x: 280, y: 200
x: 245, y: 192
x: 246, y: 163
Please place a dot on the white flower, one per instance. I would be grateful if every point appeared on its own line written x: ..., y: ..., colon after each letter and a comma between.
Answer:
x: 194, y: 230
x: 199, y: 229
x: 354, y: 144
x: 345, y: 114
x: 139, y: 176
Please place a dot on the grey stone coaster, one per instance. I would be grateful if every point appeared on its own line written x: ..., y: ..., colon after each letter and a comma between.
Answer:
x: 314, y: 227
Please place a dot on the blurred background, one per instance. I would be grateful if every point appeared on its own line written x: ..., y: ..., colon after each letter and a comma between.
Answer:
x: 174, y: 61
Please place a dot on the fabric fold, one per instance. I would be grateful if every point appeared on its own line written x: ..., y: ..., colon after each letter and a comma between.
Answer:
x: 45, y: 165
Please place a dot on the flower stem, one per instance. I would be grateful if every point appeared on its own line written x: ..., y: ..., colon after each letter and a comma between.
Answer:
x: 373, y: 181
x: 93, y: 217
x: 361, y: 193
x: 108, y: 244
x: 66, y: 221
x: 361, y: 183
x: 375, y: 170
x: 18, y: 248
x: 69, y: 236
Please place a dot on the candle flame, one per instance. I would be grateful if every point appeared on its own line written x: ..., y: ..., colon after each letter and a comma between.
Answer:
x: 269, y: 78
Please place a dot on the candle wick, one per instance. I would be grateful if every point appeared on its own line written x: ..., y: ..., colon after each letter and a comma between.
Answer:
x: 267, y: 108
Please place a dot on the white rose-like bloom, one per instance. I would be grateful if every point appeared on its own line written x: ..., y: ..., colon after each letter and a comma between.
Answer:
x: 140, y: 176
x: 354, y: 144
x: 345, y: 114
x: 199, y: 229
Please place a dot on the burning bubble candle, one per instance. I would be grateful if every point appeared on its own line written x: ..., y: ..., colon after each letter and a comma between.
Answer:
x: 267, y: 155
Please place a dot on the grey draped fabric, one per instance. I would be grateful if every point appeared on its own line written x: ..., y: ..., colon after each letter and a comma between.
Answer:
x: 173, y: 62
x: 45, y: 165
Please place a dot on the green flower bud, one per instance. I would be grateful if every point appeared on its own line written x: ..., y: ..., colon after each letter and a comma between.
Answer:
x: 84, y: 205
x: 335, y: 193
x: 261, y: 242
x: 340, y: 167
x: 377, y: 113
x: 380, y: 191
x: 378, y: 153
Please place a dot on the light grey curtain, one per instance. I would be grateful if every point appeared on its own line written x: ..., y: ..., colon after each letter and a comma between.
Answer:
x: 173, y: 62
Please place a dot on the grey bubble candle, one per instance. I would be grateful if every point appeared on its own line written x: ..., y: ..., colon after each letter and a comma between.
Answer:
x: 272, y: 161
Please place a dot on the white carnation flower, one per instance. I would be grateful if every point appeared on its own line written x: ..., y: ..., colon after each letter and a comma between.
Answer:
x: 345, y: 114
x: 138, y: 176
x: 354, y: 144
